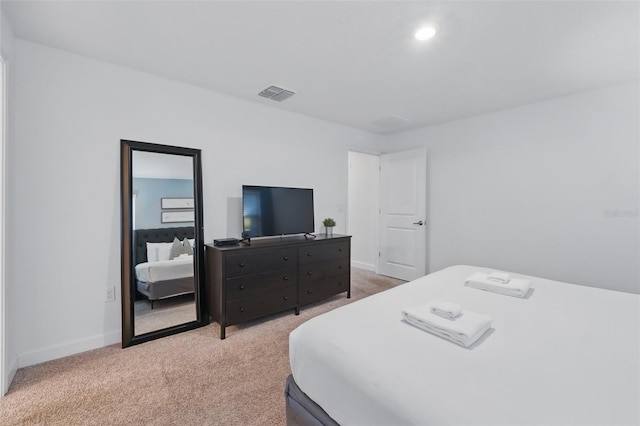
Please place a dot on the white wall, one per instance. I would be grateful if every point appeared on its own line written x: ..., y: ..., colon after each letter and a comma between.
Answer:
x: 548, y: 189
x: 558, y: 165
x: 8, y: 357
x: 362, y: 210
x: 70, y: 114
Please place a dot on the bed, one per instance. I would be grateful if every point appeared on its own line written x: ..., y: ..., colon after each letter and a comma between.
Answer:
x: 160, y: 278
x: 564, y: 355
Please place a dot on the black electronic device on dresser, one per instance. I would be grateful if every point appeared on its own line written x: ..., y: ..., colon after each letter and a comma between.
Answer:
x: 246, y: 282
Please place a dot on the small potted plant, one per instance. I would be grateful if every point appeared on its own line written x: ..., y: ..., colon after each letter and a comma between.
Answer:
x: 328, y: 223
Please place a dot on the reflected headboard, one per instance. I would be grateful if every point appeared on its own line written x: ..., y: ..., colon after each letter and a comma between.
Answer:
x: 159, y: 235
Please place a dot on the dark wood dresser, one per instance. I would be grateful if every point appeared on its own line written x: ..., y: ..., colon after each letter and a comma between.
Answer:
x: 245, y: 282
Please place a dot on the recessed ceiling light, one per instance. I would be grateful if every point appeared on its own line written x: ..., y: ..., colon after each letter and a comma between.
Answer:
x: 425, y: 33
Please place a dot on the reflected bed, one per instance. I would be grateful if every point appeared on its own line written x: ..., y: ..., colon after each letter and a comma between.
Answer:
x: 164, y: 278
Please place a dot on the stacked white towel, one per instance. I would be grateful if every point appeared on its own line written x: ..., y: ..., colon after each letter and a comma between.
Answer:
x: 463, y: 330
x: 495, y: 282
x: 497, y: 276
x: 446, y: 309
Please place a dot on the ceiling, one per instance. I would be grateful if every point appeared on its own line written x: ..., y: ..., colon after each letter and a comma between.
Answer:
x: 157, y: 165
x: 356, y: 62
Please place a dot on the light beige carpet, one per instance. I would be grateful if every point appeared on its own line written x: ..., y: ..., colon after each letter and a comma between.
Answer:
x: 165, y: 313
x: 193, y: 378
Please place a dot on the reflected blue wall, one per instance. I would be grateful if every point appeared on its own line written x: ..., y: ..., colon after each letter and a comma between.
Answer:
x: 148, y: 194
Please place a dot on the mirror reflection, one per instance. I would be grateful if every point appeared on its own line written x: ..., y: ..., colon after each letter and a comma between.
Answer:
x: 163, y: 237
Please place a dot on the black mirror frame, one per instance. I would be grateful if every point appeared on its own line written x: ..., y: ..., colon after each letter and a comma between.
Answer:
x: 128, y: 280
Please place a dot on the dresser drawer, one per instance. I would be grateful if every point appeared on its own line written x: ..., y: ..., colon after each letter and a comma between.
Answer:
x: 320, y: 252
x: 258, y: 261
x: 254, y: 307
x: 321, y: 270
x: 253, y: 285
x: 317, y: 290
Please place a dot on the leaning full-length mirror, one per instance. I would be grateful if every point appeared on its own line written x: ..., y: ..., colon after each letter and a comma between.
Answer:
x: 162, y: 242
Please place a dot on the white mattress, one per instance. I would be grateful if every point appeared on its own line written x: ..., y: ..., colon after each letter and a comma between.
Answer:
x: 151, y: 272
x: 567, y: 355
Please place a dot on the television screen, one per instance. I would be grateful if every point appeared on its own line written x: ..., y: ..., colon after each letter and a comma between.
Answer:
x: 270, y: 210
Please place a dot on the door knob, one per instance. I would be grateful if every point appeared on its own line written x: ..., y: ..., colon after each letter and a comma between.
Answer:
x: 420, y: 223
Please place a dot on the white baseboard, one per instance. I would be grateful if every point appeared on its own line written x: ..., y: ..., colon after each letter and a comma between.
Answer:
x: 68, y: 348
x: 11, y: 373
x: 362, y: 265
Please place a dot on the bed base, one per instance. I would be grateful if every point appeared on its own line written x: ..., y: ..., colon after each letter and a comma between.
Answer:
x: 165, y: 289
x: 302, y: 410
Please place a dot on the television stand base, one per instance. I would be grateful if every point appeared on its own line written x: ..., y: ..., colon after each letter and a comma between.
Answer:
x: 244, y: 283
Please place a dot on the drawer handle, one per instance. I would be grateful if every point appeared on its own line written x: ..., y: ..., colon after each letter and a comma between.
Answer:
x: 286, y: 278
x: 309, y: 291
x: 241, y: 309
x: 241, y: 265
x: 309, y: 254
x: 309, y: 273
x: 286, y: 298
x: 286, y: 258
x: 241, y: 287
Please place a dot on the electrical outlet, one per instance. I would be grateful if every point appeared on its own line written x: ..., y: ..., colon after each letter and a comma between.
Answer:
x: 111, y: 294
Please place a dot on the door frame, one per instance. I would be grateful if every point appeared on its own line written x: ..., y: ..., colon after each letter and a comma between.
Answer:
x: 377, y: 247
x: 4, y: 379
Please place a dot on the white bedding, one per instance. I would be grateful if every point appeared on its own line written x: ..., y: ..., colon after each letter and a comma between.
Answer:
x: 566, y: 355
x: 151, y: 272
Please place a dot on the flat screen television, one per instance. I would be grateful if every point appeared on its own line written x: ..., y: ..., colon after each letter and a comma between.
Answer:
x: 272, y: 210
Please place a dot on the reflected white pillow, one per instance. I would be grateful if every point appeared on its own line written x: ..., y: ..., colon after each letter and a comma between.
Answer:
x: 158, y: 251
x: 164, y: 251
x: 152, y: 252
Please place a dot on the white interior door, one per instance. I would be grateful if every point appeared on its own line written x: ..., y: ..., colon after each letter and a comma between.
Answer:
x: 403, y: 211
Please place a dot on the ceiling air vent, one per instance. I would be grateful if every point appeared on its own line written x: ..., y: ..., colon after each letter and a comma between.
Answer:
x: 391, y: 121
x: 276, y: 93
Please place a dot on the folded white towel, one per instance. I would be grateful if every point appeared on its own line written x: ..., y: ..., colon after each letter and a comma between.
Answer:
x: 501, y: 277
x: 463, y: 330
x: 515, y: 287
x: 446, y: 309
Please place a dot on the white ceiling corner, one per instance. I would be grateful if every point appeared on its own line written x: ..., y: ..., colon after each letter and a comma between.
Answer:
x: 356, y: 63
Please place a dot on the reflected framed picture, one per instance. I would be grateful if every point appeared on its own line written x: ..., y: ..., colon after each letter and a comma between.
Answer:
x: 176, y: 203
x: 177, y: 216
